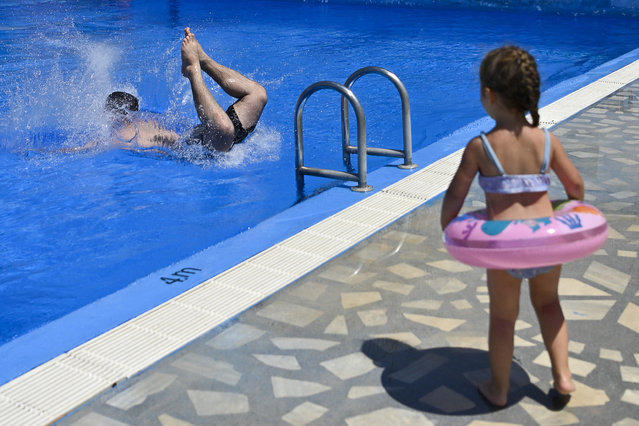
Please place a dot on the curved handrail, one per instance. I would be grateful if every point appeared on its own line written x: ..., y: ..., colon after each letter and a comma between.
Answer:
x: 407, y: 153
x: 302, y: 170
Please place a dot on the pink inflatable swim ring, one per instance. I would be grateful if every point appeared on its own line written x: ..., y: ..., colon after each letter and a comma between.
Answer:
x: 575, y: 231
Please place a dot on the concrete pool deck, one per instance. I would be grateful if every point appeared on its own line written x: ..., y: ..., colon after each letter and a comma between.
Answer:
x: 390, y: 331
x: 394, y: 332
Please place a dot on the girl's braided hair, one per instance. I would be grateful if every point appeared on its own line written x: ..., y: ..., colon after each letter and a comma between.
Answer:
x: 512, y: 73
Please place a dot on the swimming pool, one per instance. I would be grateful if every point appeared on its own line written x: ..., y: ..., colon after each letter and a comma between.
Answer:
x: 76, y: 228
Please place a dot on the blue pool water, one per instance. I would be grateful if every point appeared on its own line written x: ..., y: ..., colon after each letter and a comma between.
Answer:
x: 77, y: 227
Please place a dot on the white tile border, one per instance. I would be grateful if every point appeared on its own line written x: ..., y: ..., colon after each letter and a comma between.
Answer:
x: 576, y: 101
x: 52, y: 390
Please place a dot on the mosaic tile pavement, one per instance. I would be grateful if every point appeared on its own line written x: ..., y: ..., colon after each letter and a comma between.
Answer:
x: 394, y: 331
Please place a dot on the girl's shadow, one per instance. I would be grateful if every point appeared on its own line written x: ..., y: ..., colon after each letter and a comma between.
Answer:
x: 444, y: 380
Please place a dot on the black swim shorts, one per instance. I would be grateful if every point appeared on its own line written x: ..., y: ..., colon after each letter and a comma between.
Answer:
x: 198, y: 134
x: 240, y: 132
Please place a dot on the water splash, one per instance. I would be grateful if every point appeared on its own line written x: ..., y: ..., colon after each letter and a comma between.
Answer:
x: 58, y: 100
x: 264, y: 144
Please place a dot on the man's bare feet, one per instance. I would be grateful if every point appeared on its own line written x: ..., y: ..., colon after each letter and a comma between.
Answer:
x: 492, y: 395
x: 190, y: 55
x: 201, y: 53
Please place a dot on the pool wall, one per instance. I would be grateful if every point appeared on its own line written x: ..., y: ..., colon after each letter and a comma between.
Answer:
x: 580, y: 7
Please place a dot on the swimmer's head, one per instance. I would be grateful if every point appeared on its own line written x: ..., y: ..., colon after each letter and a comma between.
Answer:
x: 121, y: 104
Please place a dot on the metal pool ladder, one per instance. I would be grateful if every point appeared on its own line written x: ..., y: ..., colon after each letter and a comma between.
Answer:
x: 347, y: 149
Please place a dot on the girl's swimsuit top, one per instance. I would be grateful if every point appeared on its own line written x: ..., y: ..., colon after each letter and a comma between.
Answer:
x: 514, y: 184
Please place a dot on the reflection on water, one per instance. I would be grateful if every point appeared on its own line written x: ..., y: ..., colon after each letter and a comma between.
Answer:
x: 51, y: 106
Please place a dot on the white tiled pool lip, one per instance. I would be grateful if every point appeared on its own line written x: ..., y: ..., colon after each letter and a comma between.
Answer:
x: 51, y: 390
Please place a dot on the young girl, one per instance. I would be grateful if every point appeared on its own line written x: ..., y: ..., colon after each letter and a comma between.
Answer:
x: 513, y: 162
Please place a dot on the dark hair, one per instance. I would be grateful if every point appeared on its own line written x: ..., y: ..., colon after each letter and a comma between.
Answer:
x: 121, y: 103
x: 512, y: 72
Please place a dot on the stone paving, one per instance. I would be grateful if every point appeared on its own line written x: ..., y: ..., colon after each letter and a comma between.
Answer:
x: 394, y: 331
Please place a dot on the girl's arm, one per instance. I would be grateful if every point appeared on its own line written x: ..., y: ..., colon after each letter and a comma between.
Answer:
x: 460, y: 185
x: 566, y: 171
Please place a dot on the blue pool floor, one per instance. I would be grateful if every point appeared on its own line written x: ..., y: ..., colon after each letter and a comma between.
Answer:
x: 393, y: 331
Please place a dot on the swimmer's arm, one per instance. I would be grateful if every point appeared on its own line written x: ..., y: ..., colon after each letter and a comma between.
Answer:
x: 460, y: 185
x: 68, y: 150
x: 89, y: 145
x: 145, y: 150
x: 566, y: 171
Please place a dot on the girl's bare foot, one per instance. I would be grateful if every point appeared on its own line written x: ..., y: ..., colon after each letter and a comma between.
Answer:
x: 190, y: 56
x: 564, y: 386
x: 492, y: 395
